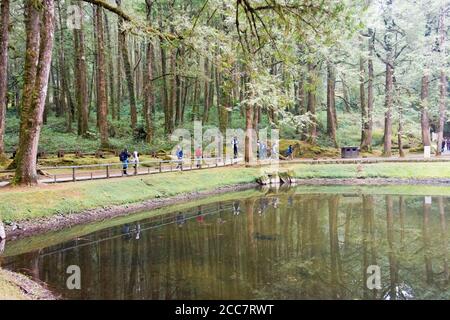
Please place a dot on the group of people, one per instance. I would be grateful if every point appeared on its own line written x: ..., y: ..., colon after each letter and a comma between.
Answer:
x: 125, y: 157
x: 263, y: 151
x: 445, y: 145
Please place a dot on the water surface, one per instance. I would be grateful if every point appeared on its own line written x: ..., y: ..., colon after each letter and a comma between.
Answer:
x: 281, y: 245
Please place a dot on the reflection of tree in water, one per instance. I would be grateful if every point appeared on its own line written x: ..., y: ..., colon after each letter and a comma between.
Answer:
x: 407, y: 240
x: 315, y: 246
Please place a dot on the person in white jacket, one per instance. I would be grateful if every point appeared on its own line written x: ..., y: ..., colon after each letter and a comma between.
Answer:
x: 136, y: 159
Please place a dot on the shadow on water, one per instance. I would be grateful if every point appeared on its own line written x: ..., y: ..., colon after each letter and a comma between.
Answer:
x: 288, y: 243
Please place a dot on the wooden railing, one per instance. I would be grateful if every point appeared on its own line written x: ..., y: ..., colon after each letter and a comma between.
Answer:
x: 60, y: 174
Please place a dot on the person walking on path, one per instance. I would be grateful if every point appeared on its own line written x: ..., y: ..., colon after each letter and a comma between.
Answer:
x: 198, y: 157
x: 136, y: 161
x: 124, y: 156
x: 179, y: 157
x: 234, y: 142
x: 274, y: 151
x: 290, y: 153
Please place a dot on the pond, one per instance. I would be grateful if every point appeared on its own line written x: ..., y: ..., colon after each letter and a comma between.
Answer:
x: 295, y: 243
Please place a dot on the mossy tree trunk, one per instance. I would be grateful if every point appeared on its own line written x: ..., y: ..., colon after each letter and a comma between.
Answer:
x: 442, y: 83
x: 389, y: 39
x: 366, y: 141
x: 81, y: 89
x: 331, y: 104
x: 101, y: 79
x: 312, y: 132
x: 149, y: 95
x: 40, y: 24
x: 128, y: 71
x: 4, y: 37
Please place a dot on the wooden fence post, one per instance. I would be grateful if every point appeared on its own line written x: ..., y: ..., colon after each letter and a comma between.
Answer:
x: 74, y: 178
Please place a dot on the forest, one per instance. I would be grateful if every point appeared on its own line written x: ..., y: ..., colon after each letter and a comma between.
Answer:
x: 108, y: 74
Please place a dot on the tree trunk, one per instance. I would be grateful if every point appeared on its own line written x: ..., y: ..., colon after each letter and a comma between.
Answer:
x: 389, y: 43
x: 442, y: 84
x: 366, y: 143
x: 81, y: 89
x: 149, y: 95
x: 362, y: 94
x: 39, y: 44
x: 331, y: 104
x: 101, y: 78
x: 4, y: 37
x: 387, y: 152
x: 61, y: 74
x: 173, y: 89
x: 206, y: 92
x: 164, y: 93
x: 424, y: 119
x: 111, y: 70
x: 400, y: 133
x: 249, y: 133
x: 128, y: 71
x: 312, y: 132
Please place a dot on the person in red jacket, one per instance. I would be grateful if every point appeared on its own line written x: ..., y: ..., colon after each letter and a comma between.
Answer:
x: 198, y: 156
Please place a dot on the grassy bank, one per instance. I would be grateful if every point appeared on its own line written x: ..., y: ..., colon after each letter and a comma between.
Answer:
x: 14, y: 286
x: 28, y: 203
x: 18, y: 204
x: 9, y: 290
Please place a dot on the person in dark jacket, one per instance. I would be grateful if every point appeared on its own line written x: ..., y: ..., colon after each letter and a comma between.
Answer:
x: 234, y: 143
x: 290, y: 152
x: 180, y: 157
x: 124, y: 156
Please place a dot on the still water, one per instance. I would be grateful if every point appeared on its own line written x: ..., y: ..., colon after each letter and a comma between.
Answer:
x: 272, y: 245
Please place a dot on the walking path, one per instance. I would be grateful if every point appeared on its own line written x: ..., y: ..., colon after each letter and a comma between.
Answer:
x: 114, y: 170
x: 110, y: 171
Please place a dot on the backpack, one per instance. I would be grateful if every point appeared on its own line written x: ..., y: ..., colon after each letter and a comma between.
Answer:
x: 122, y: 157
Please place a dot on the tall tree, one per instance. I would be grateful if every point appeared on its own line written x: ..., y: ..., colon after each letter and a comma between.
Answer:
x: 39, y: 26
x: 101, y: 79
x: 81, y: 88
x: 128, y: 70
x: 366, y: 143
x: 442, y: 82
x: 311, y: 105
x: 389, y: 39
x: 63, y: 89
x: 425, y: 92
x: 331, y: 104
x: 149, y: 95
x: 4, y: 37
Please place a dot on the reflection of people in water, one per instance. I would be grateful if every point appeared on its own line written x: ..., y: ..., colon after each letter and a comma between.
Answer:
x: 200, y: 218
x: 236, y: 208
x: 263, y: 204
x: 275, y: 202
x: 290, y: 201
x: 138, y: 231
x: 180, y: 219
x: 219, y: 219
x: 126, y: 231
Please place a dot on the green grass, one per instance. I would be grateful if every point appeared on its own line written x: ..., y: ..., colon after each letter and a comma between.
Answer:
x: 36, y: 202
x: 18, y: 204
x: 377, y: 170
